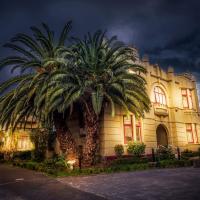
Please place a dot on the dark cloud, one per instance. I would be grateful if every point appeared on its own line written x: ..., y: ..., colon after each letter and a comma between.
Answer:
x: 167, y: 30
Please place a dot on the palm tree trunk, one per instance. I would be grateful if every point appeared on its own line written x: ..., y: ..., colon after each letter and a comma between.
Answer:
x: 91, y: 123
x: 64, y: 136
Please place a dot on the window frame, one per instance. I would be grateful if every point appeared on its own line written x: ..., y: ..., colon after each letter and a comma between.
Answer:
x: 187, y: 95
x: 23, y: 142
x: 161, y: 96
x: 130, y: 126
x: 191, y: 131
x: 138, y: 124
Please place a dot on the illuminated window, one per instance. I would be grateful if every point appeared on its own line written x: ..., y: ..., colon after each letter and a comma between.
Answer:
x: 138, y: 132
x: 159, y: 96
x: 128, y: 128
x: 23, y: 142
x: 187, y: 98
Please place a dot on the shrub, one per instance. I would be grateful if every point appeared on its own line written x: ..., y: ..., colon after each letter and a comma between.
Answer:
x: 31, y: 165
x: 60, y: 163
x: 165, y: 153
x: 133, y: 160
x: 174, y: 163
x: 186, y: 154
x: 56, y: 163
x: 22, y: 155
x: 119, y: 150
x: 136, y: 149
x: 1, y: 156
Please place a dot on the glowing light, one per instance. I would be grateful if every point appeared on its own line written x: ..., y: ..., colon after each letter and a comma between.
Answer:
x: 71, y: 163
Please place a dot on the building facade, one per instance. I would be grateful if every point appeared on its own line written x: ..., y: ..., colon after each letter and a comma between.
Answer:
x: 174, y: 117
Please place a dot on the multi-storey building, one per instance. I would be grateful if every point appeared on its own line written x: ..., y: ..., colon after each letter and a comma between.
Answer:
x: 174, y: 117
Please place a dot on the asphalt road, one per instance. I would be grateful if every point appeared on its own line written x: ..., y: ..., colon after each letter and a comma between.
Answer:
x: 22, y: 184
x: 163, y: 184
x: 157, y: 184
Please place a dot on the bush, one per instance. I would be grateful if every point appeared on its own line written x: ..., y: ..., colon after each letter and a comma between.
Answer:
x: 56, y: 163
x: 119, y: 150
x: 31, y: 165
x: 136, y: 149
x: 22, y: 155
x: 1, y: 156
x: 133, y: 160
x: 60, y: 163
x: 165, y: 153
x: 174, y: 163
x: 50, y: 166
x: 186, y: 154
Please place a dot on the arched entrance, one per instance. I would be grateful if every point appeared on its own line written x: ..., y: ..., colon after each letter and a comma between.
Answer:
x: 161, y: 135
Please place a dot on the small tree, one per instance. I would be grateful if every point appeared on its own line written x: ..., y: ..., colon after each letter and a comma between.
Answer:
x: 136, y: 148
x: 119, y: 150
x: 166, y: 152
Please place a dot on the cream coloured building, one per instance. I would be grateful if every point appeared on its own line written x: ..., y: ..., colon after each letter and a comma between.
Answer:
x: 174, y: 118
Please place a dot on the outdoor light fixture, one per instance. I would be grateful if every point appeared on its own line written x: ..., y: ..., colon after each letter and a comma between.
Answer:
x: 71, y: 163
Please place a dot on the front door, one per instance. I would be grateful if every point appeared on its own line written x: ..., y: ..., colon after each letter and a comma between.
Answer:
x: 161, y: 134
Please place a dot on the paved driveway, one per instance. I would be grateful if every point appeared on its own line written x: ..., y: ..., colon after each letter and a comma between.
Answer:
x: 22, y: 184
x: 169, y: 184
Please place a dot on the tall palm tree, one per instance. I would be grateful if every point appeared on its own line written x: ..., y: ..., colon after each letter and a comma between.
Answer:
x: 27, y: 94
x: 101, y: 68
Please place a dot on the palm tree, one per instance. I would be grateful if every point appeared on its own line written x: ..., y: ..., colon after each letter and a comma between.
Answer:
x: 101, y: 69
x: 27, y: 94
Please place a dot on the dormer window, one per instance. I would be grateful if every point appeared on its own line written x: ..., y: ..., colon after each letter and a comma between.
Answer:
x: 159, y: 96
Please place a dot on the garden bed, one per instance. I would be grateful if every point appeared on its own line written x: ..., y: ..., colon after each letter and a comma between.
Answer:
x: 58, y: 166
x: 114, y: 167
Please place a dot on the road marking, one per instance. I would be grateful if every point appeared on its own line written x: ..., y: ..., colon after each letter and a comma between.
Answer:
x: 19, y: 179
x: 16, y: 180
x: 7, y: 183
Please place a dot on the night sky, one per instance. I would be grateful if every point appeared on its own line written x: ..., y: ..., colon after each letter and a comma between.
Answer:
x: 167, y: 30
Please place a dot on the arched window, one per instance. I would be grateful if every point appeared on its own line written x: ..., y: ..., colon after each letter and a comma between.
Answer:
x: 159, y: 96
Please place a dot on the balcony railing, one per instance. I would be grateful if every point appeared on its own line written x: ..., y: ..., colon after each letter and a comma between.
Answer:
x: 160, y: 109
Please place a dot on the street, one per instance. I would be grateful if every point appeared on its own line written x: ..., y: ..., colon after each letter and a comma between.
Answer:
x: 22, y: 184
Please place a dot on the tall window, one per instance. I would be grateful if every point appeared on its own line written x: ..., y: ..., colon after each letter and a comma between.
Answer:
x: 23, y: 142
x: 191, y: 131
x: 187, y: 98
x: 138, y: 132
x: 159, y: 96
x: 128, y: 128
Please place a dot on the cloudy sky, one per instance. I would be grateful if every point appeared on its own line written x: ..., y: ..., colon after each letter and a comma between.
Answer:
x: 167, y: 30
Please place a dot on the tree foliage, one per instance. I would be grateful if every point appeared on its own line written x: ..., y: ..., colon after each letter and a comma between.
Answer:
x: 25, y: 97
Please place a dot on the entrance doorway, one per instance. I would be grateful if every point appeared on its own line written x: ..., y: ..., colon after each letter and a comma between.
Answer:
x: 161, y: 135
